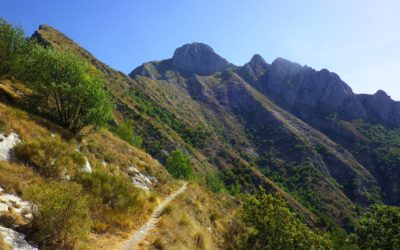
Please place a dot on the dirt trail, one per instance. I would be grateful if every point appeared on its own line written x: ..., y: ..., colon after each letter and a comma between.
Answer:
x: 152, y: 222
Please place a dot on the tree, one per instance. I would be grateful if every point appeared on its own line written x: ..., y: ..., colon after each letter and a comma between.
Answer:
x: 66, y: 88
x: 12, y: 44
x: 379, y: 228
x: 179, y: 165
x: 60, y: 215
x: 273, y: 226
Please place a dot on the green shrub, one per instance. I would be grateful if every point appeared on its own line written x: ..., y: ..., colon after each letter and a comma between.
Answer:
x: 379, y: 228
x: 273, y: 226
x: 114, y: 191
x: 12, y: 44
x: 125, y: 131
x: 60, y: 216
x: 214, y: 182
x: 179, y: 165
x: 51, y: 157
x: 65, y: 87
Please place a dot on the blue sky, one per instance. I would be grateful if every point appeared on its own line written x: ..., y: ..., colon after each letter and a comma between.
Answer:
x: 359, y: 40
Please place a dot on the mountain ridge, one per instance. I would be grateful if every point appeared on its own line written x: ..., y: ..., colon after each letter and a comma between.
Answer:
x: 252, y: 135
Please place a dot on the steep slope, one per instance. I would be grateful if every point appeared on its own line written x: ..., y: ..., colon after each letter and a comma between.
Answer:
x: 287, y: 140
x: 325, y: 102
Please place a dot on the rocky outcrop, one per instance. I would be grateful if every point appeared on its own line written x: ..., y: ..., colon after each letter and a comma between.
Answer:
x: 198, y: 58
x: 381, y: 107
x: 309, y: 93
x: 7, y: 143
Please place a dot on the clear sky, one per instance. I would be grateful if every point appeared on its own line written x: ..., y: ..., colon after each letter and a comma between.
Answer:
x: 357, y: 39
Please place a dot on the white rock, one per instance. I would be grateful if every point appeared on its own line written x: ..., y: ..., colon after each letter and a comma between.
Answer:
x: 140, y: 180
x: 7, y: 143
x: 15, y: 240
x: 10, y: 201
x: 3, y: 207
x: 87, y: 167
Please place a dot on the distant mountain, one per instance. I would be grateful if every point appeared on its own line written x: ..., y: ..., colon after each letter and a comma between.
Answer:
x: 330, y: 112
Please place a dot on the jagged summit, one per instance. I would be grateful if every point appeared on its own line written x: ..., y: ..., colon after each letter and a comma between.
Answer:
x: 198, y: 58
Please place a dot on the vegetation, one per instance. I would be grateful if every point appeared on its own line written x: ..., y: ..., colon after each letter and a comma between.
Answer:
x: 126, y: 132
x: 15, y: 178
x: 115, y: 201
x: 52, y: 157
x: 273, y: 226
x: 114, y: 191
x: 65, y: 88
x: 180, y: 166
x: 379, y: 228
x: 197, y: 137
x: 3, y: 244
x: 60, y: 216
x: 213, y: 180
x: 12, y: 44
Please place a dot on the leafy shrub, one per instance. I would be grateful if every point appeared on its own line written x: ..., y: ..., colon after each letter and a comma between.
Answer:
x: 51, y: 157
x: 66, y: 88
x: 60, y: 216
x: 126, y: 132
x: 214, y: 182
x: 273, y: 226
x: 179, y: 165
x: 379, y: 228
x: 12, y: 44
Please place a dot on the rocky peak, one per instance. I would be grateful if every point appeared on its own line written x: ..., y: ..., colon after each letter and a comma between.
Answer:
x: 283, y: 66
x: 198, y: 58
x: 258, y: 62
x: 380, y: 94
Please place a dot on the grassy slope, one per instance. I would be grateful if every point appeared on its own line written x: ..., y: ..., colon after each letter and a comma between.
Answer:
x: 195, y: 220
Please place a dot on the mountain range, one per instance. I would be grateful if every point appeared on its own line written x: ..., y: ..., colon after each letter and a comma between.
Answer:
x: 286, y: 127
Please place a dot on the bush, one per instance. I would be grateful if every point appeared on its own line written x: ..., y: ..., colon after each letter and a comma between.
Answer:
x: 12, y: 44
x: 52, y: 157
x: 125, y: 131
x: 114, y: 191
x: 66, y: 88
x: 115, y: 201
x: 273, y: 226
x: 60, y: 216
x: 179, y: 165
x: 379, y: 228
x: 214, y: 182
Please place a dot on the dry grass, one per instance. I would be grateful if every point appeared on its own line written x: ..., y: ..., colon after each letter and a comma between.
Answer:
x: 120, y: 155
x: 9, y: 219
x: 3, y: 244
x: 15, y: 177
x: 194, y: 220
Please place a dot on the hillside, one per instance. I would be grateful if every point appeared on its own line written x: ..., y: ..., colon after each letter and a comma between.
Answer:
x: 235, y: 134
x: 224, y: 120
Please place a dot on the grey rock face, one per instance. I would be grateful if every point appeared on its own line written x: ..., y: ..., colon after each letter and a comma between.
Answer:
x: 304, y: 90
x: 254, y: 71
x: 381, y: 107
x: 198, y: 58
